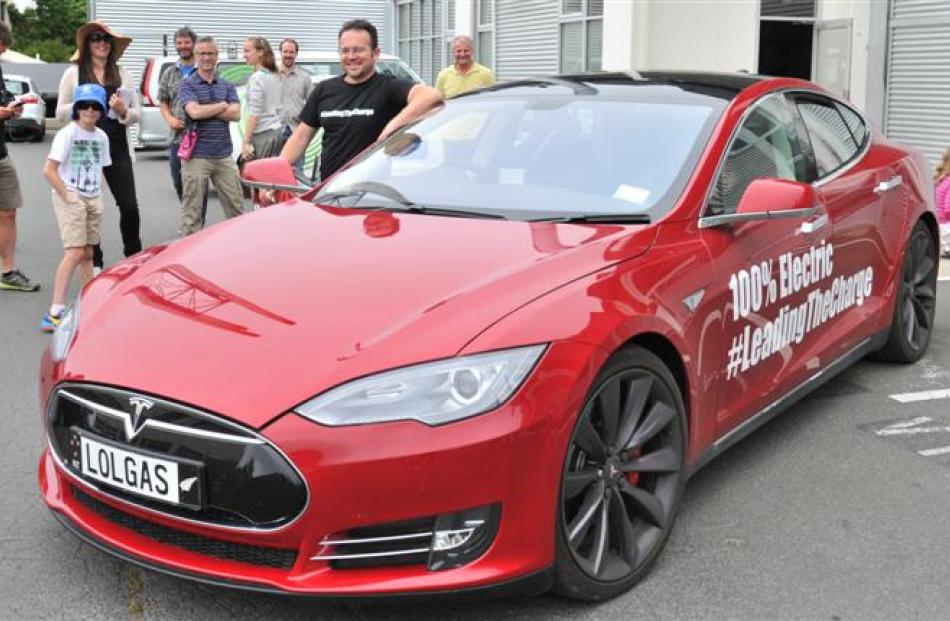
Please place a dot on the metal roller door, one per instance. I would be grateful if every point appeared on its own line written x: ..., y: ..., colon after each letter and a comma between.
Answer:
x: 917, y: 100
x: 526, y: 38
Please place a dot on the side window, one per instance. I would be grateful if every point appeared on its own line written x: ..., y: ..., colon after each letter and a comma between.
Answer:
x: 831, y: 138
x: 766, y: 145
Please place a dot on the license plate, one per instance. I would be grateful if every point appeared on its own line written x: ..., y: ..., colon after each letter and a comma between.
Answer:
x: 169, y: 480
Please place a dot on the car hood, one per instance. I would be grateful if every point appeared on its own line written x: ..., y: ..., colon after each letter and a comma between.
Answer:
x: 257, y: 314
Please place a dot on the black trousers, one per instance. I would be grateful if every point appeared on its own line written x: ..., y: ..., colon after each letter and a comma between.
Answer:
x: 121, y: 180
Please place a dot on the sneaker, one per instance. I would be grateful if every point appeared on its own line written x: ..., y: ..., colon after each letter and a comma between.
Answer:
x: 49, y: 322
x: 16, y: 281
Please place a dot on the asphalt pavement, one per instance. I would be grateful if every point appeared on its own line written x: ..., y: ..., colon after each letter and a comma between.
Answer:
x: 835, y: 510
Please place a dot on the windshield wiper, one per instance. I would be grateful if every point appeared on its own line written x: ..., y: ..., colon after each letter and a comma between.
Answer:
x: 378, y: 188
x: 618, y: 218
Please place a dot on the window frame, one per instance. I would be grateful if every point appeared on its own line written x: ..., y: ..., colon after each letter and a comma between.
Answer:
x: 707, y: 219
x: 486, y: 27
x: 439, y: 40
x: 583, y: 17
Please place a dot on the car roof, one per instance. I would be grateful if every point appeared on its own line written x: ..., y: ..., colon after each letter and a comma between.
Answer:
x: 725, y: 86
x: 16, y: 76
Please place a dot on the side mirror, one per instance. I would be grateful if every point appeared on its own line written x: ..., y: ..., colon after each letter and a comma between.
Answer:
x: 769, y: 199
x: 776, y: 195
x: 271, y: 180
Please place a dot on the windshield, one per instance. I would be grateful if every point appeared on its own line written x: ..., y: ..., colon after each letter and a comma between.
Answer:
x: 544, y: 157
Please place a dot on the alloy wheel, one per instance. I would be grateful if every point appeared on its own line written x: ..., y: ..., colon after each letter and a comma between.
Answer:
x: 918, y: 295
x: 623, y: 475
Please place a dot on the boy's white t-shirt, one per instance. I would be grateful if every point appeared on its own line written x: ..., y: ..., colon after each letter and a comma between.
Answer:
x: 81, y: 155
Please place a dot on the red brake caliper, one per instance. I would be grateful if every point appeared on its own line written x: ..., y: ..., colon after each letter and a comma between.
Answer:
x: 633, y: 477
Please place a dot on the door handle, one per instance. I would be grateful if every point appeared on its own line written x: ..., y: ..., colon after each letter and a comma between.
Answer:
x: 810, y: 226
x: 890, y: 184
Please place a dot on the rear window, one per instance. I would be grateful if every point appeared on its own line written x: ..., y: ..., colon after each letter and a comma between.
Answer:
x: 16, y: 87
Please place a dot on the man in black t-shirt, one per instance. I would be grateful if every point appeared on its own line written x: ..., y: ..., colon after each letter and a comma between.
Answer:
x: 359, y: 107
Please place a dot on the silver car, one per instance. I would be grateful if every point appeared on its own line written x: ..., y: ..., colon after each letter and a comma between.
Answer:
x: 32, y: 123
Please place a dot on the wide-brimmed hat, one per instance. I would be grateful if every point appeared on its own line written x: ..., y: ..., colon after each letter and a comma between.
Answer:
x: 119, y: 41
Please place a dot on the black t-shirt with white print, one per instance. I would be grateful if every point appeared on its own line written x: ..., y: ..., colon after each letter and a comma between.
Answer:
x: 352, y: 115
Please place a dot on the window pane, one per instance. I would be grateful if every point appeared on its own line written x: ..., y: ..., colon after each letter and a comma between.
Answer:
x: 830, y: 137
x: 595, y: 7
x: 425, y: 12
x: 485, y: 41
x: 595, y: 44
x: 572, y: 51
x: 766, y: 145
x: 485, y: 12
x: 405, y: 52
x: 855, y: 123
x: 427, y: 60
x: 788, y: 8
x: 571, y: 6
x: 405, y: 21
x: 450, y: 17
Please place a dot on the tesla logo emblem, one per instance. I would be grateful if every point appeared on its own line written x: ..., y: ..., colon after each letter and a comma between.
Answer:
x: 611, y: 471
x: 137, y: 419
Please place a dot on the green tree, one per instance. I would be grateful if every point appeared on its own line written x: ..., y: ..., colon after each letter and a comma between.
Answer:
x: 49, y: 28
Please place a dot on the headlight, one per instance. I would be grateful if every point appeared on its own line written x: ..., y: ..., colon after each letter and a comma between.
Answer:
x: 63, y: 335
x: 433, y: 393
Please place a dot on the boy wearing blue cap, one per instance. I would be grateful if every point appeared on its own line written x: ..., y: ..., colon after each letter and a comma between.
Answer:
x: 74, y: 170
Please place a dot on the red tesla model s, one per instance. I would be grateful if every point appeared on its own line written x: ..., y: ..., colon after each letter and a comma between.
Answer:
x: 487, y: 355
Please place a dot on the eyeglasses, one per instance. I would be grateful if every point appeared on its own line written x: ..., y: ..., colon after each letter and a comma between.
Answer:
x: 88, y: 105
x: 356, y: 51
x: 99, y: 37
x: 206, y: 53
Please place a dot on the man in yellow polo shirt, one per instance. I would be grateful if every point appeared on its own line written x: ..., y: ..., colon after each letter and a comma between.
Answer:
x: 466, y: 74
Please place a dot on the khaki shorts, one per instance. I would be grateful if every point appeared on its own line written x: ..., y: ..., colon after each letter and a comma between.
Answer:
x: 79, y: 219
x: 10, y: 197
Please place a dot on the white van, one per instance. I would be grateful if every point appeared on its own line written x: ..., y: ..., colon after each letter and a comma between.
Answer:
x: 153, y: 131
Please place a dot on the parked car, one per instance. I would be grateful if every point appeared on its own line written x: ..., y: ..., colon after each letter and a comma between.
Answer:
x: 153, y: 131
x: 32, y: 123
x: 487, y: 354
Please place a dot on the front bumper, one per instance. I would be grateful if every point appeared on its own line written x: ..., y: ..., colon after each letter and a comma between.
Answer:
x: 363, y: 476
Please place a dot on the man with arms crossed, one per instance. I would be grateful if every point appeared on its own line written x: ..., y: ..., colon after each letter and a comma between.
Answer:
x: 359, y: 107
x: 212, y: 102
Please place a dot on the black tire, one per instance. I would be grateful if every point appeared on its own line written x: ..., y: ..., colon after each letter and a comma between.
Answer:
x: 622, y: 478
x: 39, y: 135
x: 913, y: 319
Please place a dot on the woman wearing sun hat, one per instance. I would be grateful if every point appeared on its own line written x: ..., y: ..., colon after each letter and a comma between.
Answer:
x: 98, y: 49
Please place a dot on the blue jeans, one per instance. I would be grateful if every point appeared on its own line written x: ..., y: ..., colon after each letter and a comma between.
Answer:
x: 174, y: 162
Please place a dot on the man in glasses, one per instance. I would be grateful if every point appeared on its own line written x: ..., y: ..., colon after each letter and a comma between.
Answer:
x: 211, y: 102
x: 358, y: 107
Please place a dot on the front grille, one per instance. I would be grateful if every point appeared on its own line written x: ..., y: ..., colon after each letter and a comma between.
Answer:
x: 244, y: 481
x: 237, y: 552
x: 384, y: 545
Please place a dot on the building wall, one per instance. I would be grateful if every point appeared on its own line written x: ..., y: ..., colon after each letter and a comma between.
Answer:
x: 702, y: 35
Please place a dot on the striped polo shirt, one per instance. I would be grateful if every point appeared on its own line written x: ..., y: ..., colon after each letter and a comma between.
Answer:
x: 214, y: 137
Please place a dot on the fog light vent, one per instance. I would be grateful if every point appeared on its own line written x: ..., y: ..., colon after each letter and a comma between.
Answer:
x: 462, y: 537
